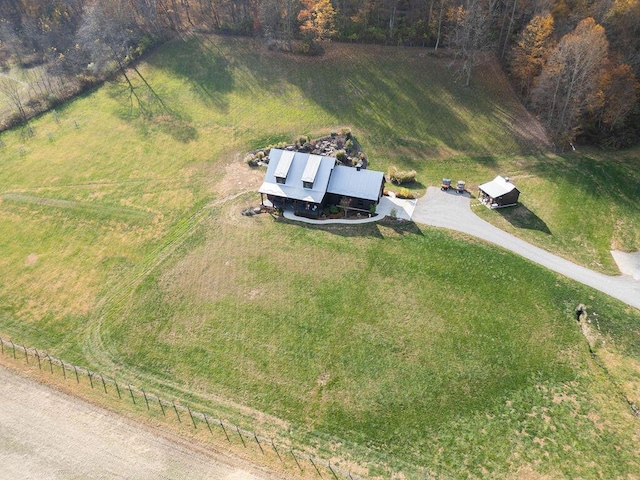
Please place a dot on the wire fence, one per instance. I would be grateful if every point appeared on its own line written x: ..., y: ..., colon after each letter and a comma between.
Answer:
x: 180, y: 412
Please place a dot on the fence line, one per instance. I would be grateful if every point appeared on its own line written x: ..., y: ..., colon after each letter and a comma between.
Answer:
x: 8, y: 347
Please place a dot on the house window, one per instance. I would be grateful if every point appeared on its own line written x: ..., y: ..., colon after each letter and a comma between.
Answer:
x: 307, y: 184
x: 281, y: 180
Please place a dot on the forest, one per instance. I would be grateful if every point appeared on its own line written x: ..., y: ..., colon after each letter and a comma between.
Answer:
x: 574, y: 63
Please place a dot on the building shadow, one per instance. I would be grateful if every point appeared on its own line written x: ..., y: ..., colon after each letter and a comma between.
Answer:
x: 400, y: 227
x: 521, y: 217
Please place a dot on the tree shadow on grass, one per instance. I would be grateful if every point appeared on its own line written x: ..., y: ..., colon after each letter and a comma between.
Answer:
x: 400, y: 227
x: 203, y: 66
x: 521, y: 217
x: 611, y: 178
x: 180, y: 129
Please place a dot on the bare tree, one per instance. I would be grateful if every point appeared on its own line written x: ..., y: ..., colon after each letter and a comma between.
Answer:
x: 569, y: 80
x: 13, y: 90
x: 108, y: 32
x: 471, y: 36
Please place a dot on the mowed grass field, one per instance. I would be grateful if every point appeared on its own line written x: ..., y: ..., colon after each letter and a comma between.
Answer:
x: 388, y: 348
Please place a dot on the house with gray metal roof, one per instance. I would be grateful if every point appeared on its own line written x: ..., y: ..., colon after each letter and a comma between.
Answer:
x: 309, y: 183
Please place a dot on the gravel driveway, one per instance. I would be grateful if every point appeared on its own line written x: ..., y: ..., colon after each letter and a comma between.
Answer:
x: 452, y: 210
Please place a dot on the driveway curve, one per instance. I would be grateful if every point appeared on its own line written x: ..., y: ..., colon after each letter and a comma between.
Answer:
x: 453, y: 211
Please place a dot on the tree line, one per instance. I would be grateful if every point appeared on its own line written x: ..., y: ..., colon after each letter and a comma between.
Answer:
x: 575, y: 63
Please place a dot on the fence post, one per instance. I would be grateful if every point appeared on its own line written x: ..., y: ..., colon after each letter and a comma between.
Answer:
x: 294, y: 457
x: 90, y: 375
x: 240, y: 435
x: 104, y: 385
x: 38, y: 357
x: 132, y: 397
x: 334, y: 473
x: 145, y: 398
x: 207, y: 422
x: 2, y: 345
x: 192, y: 419
x: 161, y: 407
x: 117, y: 388
x: 225, y: 432
x: 276, y: 450
x: 76, y: 370
x: 258, y: 442
x: 176, y: 410
x: 314, y: 466
x: 50, y: 364
x: 64, y: 372
x: 26, y: 357
x: 14, y: 348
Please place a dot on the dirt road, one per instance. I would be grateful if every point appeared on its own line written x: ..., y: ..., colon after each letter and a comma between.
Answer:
x: 453, y: 211
x: 46, y: 434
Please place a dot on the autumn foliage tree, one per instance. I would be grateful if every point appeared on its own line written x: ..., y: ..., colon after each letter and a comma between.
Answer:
x: 610, y: 121
x: 317, y: 19
x: 568, y: 84
x: 530, y: 52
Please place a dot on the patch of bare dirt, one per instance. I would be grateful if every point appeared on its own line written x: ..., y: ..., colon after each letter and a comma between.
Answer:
x: 48, y: 434
x: 31, y: 259
x: 238, y: 178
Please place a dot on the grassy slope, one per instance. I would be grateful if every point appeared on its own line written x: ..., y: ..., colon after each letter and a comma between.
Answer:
x: 382, y: 339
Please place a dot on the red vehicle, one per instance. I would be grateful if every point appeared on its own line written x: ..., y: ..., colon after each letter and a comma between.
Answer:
x: 446, y: 184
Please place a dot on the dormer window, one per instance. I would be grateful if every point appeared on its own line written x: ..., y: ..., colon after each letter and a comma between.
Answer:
x: 282, y: 170
x: 310, y: 171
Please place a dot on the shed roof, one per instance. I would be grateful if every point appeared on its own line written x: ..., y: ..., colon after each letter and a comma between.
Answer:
x: 351, y: 182
x: 497, y: 187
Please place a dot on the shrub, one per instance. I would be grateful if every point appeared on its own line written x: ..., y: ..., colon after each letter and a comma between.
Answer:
x: 333, y: 209
x: 349, y: 145
x: 341, y: 156
x: 401, y: 177
x: 251, y: 160
x: 281, y: 145
x: 405, y: 193
x: 346, y: 132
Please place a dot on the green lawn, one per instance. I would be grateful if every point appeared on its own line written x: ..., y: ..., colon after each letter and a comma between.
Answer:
x: 401, y: 348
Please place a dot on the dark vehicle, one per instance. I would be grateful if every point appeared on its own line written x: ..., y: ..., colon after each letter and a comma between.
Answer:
x: 461, y: 186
